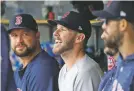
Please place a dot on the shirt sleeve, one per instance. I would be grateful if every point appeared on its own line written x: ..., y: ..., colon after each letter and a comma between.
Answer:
x: 7, y: 80
x: 88, y: 81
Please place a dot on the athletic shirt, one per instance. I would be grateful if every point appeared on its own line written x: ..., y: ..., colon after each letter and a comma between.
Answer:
x: 121, y: 77
x: 41, y: 74
x: 85, y: 75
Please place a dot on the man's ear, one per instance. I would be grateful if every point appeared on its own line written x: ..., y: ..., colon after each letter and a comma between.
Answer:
x: 80, y: 37
x: 38, y: 35
x: 123, y: 25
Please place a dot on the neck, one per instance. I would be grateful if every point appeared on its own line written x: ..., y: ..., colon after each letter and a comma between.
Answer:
x: 27, y: 59
x: 127, y: 47
x: 71, y: 57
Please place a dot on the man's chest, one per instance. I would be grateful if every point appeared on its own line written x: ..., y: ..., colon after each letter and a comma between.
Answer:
x: 67, y: 80
x: 121, y: 80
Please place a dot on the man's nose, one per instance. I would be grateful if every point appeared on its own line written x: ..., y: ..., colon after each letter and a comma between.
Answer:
x: 20, y: 39
x: 103, y: 26
x: 56, y: 33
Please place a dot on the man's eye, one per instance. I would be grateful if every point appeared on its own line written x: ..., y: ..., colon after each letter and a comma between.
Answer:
x: 25, y: 34
x: 62, y: 29
x: 13, y: 35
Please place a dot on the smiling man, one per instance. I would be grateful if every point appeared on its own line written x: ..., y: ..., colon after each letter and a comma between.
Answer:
x: 118, y: 32
x: 80, y: 72
x: 39, y: 71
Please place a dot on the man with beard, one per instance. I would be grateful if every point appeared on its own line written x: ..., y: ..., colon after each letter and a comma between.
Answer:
x: 39, y: 71
x: 80, y: 72
x: 118, y: 33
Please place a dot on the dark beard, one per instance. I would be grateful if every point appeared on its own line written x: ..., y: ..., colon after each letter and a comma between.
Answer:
x: 28, y: 51
x: 112, y: 44
x: 115, y: 42
x: 66, y: 47
x: 112, y: 52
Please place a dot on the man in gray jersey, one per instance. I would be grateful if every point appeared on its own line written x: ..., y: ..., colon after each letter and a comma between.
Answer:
x: 80, y: 72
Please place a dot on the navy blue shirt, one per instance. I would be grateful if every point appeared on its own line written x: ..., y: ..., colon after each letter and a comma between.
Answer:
x: 41, y: 74
x: 120, y: 78
x: 7, y: 80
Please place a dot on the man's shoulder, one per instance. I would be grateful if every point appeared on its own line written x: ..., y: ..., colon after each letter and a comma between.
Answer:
x: 43, y: 58
x: 43, y: 55
x: 43, y: 63
x: 89, y: 65
x: 89, y: 70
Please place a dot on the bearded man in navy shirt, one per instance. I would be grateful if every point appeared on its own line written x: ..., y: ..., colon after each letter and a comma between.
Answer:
x: 39, y: 71
x: 118, y: 32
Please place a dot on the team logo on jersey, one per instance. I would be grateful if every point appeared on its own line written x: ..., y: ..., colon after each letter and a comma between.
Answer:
x: 18, y: 89
x: 18, y: 20
x: 117, y: 86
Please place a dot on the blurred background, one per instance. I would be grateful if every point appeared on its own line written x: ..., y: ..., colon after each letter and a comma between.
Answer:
x: 43, y: 10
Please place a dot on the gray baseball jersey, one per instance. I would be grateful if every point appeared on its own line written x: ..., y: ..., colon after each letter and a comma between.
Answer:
x: 85, y: 75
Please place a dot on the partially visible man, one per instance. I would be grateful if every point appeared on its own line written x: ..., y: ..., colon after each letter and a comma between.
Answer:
x: 118, y: 32
x: 7, y: 79
x: 80, y: 72
x: 39, y: 71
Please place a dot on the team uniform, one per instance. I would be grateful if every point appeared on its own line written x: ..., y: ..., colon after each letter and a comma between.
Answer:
x: 7, y: 80
x: 85, y: 75
x: 121, y: 77
x: 41, y: 74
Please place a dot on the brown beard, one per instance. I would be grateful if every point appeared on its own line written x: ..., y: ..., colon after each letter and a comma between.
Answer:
x: 115, y: 42
x: 112, y: 52
x: 27, y: 52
